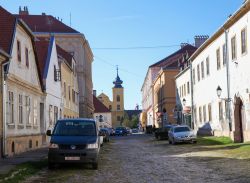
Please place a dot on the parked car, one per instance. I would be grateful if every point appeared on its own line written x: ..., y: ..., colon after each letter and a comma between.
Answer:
x: 74, y: 141
x: 105, y: 134
x: 181, y: 133
x: 129, y: 131
x: 121, y: 131
x: 135, y: 130
x: 162, y: 133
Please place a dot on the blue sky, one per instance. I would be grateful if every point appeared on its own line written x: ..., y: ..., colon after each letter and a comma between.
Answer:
x: 132, y: 23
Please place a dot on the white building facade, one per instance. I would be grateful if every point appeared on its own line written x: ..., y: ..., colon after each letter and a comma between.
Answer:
x: 228, y: 115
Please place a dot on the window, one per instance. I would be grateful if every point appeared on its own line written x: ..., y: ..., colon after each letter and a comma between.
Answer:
x: 202, y: 70
x: 57, y: 74
x: 195, y: 114
x: 27, y: 57
x: 101, y: 118
x: 64, y: 89
x: 218, y: 58
x: 35, y: 113
x: 243, y: 41
x: 224, y: 54
x: 184, y: 86
x: 10, y: 108
x: 200, y: 114
x: 207, y: 65
x: 194, y: 76
x: 118, y: 98
x: 233, y: 47
x: 198, y: 72
x: 110, y: 107
x: 18, y: 51
x: 188, y: 89
x: 220, y: 111
x: 73, y: 95
x: 20, y: 109
x: 118, y: 107
x: 204, y: 113
x: 50, y: 114
x: 69, y: 92
x: 118, y: 118
x: 209, y: 112
x: 55, y: 114
x: 27, y: 105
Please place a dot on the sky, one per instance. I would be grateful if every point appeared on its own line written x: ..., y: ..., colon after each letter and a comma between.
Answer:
x: 120, y: 32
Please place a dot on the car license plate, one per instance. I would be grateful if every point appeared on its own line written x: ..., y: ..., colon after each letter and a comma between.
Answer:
x: 72, y: 158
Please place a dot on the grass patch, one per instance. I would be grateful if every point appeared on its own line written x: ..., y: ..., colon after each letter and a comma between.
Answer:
x: 214, y: 141
x: 22, y: 171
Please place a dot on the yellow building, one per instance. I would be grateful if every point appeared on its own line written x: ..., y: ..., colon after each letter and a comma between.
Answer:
x: 164, y: 97
x: 117, y: 105
x: 69, y: 84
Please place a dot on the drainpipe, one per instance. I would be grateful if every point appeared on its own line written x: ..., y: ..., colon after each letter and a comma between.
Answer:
x: 192, y: 96
x: 4, y: 74
x: 228, y: 100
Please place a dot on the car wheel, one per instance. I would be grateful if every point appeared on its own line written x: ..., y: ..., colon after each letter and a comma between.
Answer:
x: 95, y: 166
x: 194, y: 142
x: 169, y: 141
x: 50, y: 165
x: 173, y: 142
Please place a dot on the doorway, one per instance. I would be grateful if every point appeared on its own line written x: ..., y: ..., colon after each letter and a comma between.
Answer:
x: 238, y: 111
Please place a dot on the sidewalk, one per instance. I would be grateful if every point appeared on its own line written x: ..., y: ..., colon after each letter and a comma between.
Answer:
x: 9, y: 163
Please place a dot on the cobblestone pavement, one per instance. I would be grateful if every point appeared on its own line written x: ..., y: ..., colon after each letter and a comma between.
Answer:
x: 142, y: 159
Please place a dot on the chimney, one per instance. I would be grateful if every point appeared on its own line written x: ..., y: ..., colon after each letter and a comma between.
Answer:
x: 183, y: 44
x: 43, y: 14
x: 94, y: 93
x: 199, y: 40
x: 25, y: 10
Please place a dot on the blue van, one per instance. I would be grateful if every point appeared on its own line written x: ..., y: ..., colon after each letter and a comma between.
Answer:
x: 74, y: 141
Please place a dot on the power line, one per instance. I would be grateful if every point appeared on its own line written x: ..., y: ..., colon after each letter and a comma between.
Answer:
x: 121, y: 69
x: 134, y: 47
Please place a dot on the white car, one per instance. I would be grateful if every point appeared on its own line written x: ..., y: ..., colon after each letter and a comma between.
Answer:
x: 181, y: 133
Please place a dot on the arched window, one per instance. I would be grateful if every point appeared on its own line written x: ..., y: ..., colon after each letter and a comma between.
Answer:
x: 118, y: 107
x: 118, y: 98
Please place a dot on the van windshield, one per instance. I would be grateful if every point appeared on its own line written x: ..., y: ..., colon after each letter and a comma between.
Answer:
x: 75, y: 128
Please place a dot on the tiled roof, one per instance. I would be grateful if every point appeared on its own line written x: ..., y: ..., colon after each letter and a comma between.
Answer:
x: 99, y: 106
x: 64, y: 54
x: 46, y: 23
x: 7, y: 26
x: 171, y: 59
x: 42, y: 49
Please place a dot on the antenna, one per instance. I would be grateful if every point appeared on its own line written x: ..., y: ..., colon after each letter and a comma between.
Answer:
x: 70, y: 19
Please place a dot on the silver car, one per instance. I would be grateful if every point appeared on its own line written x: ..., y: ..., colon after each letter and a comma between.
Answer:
x: 181, y: 133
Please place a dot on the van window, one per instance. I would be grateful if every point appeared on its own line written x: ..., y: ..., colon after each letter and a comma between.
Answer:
x: 75, y: 128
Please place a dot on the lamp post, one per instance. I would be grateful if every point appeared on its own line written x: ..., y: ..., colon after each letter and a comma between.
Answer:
x: 228, y: 111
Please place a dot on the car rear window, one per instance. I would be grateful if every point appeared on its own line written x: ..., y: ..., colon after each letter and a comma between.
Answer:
x: 181, y: 129
x: 75, y: 128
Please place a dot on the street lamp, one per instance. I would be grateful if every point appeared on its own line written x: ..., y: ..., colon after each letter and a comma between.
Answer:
x: 219, y: 90
x: 184, y: 102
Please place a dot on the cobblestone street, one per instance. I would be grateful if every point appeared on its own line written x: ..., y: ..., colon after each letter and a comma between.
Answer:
x: 142, y: 159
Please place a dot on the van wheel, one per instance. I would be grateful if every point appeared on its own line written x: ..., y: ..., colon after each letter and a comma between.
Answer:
x: 50, y: 165
x: 95, y: 166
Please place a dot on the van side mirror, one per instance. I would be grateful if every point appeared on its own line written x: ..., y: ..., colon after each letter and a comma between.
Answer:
x: 48, y: 133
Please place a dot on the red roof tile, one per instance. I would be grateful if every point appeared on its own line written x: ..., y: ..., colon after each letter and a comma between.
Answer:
x: 64, y: 54
x: 46, y: 23
x: 42, y: 48
x: 7, y: 26
x: 99, y: 106
x: 171, y: 59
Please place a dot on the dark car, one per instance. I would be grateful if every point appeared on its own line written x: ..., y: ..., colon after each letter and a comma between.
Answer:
x: 162, y: 133
x: 74, y: 141
x: 121, y: 131
x: 105, y: 134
